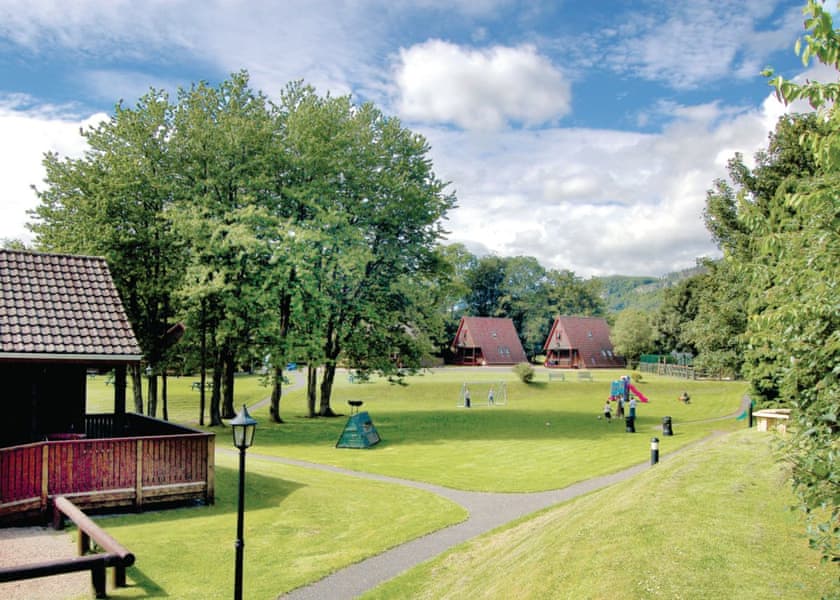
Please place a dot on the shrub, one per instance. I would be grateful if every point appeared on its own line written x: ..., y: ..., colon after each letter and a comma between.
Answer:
x: 525, y: 372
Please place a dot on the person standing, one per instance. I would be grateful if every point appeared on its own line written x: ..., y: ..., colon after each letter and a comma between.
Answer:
x: 490, y: 399
x: 608, y: 411
x: 632, y: 407
x: 466, y: 397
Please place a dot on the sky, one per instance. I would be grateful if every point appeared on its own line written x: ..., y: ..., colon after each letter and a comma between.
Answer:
x: 584, y: 134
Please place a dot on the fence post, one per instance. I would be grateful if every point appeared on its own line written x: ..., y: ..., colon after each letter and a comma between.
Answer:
x: 138, y: 476
x: 45, y: 476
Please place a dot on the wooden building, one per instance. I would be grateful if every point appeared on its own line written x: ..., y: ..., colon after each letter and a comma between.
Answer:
x: 487, y: 341
x: 580, y: 343
x: 61, y: 318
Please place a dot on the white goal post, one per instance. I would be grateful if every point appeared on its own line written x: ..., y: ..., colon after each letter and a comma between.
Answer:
x: 480, y: 393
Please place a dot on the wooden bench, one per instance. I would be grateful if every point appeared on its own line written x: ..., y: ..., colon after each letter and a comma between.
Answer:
x: 772, y: 418
x: 114, y: 555
x: 584, y: 376
x: 557, y: 376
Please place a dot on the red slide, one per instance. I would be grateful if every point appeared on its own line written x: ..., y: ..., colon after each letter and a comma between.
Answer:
x: 638, y: 393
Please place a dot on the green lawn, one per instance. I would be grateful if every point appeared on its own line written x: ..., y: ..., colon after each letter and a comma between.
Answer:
x: 710, y: 523
x: 302, y: 524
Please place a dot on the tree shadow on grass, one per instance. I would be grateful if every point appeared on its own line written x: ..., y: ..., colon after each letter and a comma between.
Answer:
x: 261, y: 492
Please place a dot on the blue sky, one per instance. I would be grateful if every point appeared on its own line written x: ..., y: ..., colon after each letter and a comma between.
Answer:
x: 582, y: 133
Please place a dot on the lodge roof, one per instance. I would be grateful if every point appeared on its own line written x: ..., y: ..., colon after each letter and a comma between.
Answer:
x: 590, y: 336
x: 496, y: 337
x: 62, y: 307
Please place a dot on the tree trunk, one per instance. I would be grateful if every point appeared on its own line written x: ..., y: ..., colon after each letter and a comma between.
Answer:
x: 216, y: 394
x: 137, y: 387
x: 203, y: 379
x: 152, y: 394
x: 311, y: 387
x: 276, y: 395
x: 163, y: 395
x: 331, y: 352
x: 326, y: 390
x: 228, y: 411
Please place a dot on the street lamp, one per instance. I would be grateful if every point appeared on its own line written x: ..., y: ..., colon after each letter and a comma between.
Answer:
x: 244, y: 426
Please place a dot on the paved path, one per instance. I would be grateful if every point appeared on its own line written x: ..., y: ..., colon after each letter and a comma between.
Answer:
x: 487, y: 511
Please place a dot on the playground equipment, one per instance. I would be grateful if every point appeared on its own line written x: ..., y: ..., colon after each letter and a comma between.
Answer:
x: 482, y: 393
x: 359, y: 431
x: 622, y: 389
x: 620, y: 392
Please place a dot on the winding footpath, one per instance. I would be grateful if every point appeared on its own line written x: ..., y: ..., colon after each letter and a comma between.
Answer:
x: 486, y: 510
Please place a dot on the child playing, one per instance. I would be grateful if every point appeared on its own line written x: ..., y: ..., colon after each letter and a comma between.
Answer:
x: 608, y: 412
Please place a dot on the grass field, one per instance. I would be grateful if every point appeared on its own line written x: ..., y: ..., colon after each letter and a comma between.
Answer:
x: 710, y: 524
x: 302, y: 524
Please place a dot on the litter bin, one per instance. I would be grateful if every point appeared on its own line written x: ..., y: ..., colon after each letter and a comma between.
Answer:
x: 666, y: 426
x: 630, y: 424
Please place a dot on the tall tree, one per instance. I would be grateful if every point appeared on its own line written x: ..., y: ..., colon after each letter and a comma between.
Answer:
x: 114, y: 202
x: 800, y: 321
x: 633, y: 334
x: 370, y: 211
x: 224, y: 144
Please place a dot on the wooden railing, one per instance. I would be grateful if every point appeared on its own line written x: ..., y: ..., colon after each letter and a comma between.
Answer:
x: 115, y: 554
x: 160, y: 462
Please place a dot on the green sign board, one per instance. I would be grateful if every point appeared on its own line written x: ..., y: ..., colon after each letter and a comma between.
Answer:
x: 359, y: 432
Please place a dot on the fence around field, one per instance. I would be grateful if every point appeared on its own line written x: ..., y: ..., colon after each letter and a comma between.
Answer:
x: 682, y: 371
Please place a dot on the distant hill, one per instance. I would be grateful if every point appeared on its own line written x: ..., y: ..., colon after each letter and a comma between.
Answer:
x: 643, y: 293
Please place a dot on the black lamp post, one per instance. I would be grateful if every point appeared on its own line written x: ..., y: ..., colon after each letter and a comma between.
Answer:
x: 243, y: 426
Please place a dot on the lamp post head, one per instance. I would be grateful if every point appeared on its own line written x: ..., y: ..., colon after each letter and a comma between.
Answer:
x: 244, y: 426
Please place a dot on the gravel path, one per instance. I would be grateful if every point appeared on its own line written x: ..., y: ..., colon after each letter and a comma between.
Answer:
x: 25, y: 545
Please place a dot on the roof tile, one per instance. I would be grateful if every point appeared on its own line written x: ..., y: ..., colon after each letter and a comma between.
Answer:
x: 61, y: 304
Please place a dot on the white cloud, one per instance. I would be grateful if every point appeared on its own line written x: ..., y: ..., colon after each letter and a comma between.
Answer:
x: 594, y: 201
x: 483, y: 89
x: 688, y: 44
x: 29, y: 132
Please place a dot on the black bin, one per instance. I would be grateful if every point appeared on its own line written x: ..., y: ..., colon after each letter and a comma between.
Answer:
x: 630, y: 424
x: 666, y: 426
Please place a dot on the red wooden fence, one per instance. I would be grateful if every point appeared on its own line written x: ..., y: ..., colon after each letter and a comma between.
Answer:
x: 122, y: 471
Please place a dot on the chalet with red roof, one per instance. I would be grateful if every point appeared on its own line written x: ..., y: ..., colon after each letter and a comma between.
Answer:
x: 580, y: 343
x: 487, y: 341
x: 61, y: 318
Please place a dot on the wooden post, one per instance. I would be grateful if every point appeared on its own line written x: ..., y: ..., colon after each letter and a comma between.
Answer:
x: 83, y: 543
x: 97, y: 575
x: 210, y: 496
x: 138, y: 477
x: 45, y: 476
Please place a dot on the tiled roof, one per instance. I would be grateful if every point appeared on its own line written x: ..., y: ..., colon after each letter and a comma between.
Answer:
x: 55, y: 305
x: 495, y: 336
x: 590, y: 336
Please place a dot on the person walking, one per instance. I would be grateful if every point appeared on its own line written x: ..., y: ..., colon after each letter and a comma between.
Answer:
x: 608, y: 411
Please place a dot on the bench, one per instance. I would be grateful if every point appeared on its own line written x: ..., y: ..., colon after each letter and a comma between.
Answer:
x: 114, y: 555
x: 584, y: 376
x: 196, y: 385
x: 557, y: 376
x: 772, y: 418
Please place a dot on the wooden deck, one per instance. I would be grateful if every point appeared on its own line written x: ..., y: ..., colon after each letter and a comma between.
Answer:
x: 126, y: 460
